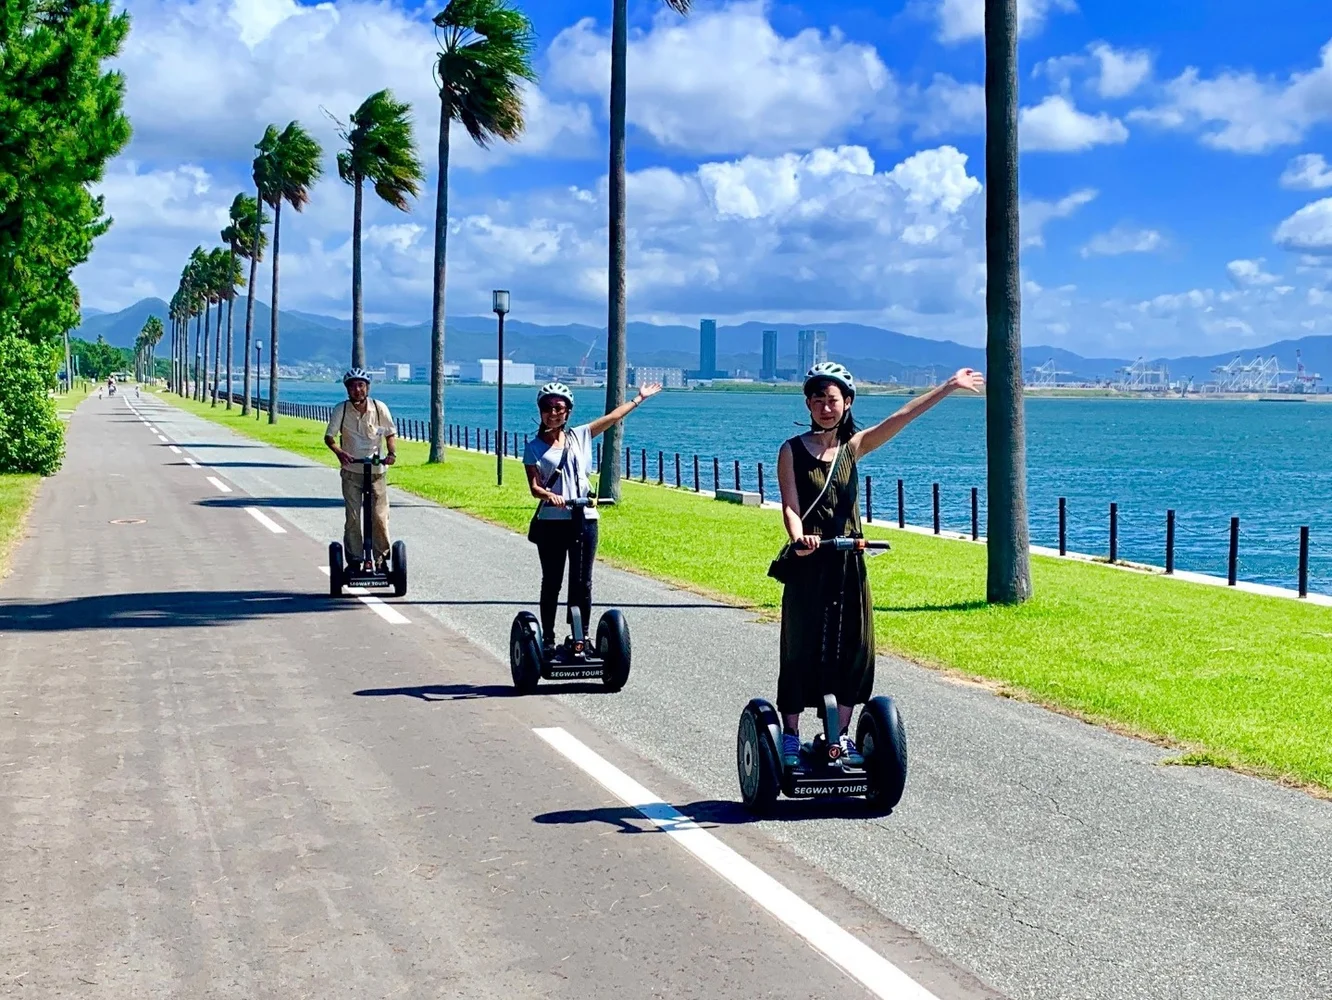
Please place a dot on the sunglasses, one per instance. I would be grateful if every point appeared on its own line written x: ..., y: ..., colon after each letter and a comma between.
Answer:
x: 554, y: 408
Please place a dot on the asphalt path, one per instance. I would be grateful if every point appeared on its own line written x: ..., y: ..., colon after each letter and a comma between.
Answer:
x: 1051, y: 858
x: 216, y: 781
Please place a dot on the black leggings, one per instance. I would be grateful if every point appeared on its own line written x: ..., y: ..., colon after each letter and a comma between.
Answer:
x: 575, y: 539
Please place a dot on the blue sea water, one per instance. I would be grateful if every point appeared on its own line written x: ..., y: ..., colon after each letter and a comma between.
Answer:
x: 1270, y: 464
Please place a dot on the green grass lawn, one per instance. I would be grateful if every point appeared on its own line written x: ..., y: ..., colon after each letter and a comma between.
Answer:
x: 16, y: 495
x: 66, y: 402
x: 1232, y: 679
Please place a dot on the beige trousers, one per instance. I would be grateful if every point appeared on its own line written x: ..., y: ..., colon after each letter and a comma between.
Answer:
x: 379, y: 508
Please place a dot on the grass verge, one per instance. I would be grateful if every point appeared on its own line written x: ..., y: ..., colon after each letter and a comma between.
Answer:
x: 17, y: 491
x: 1230, y: 678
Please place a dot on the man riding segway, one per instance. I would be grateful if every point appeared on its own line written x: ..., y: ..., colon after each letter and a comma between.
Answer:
x: 353, y: 434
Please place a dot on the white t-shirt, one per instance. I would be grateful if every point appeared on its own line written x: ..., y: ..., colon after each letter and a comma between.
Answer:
x: 573, y: 481
x: 361, y: 433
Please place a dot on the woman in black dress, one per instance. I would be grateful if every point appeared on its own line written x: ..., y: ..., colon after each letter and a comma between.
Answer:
x: 827, y: 640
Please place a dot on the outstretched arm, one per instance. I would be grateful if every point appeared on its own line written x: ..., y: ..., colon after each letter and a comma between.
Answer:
x: 602, y: 423
x: 881, y: 433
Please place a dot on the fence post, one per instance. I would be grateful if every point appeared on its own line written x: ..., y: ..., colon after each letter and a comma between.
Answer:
x: 869, y: 500
x: 936, y: 508
x: 737, y: 475
x: 642, y: 465
x: 1063, y: 527
x: 975, y: 514
x: 1304, y: 561
x: 1234, y: 551
x: 677, y: 470
x: 716, y: 474
x: 661, y: 469
x: 1114, y: 532
x: 488, y: 441
x: 695, y: 473
x: 1170, y: 541
x: 901, y: 504
x: 762, y: 498
x: 628, y: 462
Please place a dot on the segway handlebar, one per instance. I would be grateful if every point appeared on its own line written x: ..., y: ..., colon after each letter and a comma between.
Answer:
x: 852, y: 544
x: 372, y: 460
x: 590, y: 502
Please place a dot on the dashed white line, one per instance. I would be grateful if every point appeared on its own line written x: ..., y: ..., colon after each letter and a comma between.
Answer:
x: 161, y: 437
x: 266, y: 521
x: 848, y: 953
x: 386, y: 611
x: 191, y: 462
x: 174, y: 448
x: 223, y: 487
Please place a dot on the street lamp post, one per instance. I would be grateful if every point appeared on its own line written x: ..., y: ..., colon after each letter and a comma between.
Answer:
x: 500, y: 304
x: 258, y: 356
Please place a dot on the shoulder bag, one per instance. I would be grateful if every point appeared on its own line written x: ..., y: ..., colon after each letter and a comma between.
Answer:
x: 780, y: 569
x: 559, y: 471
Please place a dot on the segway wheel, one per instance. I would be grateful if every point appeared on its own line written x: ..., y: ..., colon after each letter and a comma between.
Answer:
x: 614, y: 650
x: 399, y: 567
x: 337, y: 569
x: 756, y: 761
x: 525, y: 652
x: 882, y: 740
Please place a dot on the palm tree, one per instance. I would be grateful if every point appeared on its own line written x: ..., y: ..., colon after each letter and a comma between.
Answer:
x: 244, y: 230
x: 196, y: 297
x: 381, y: 148
x: 1008, y: 544
x: 485, y: 52
x: 616, y: 350
x: 258, y: 241
x: 221, y: 283
x: 148, y: 337
x: 284, y: 171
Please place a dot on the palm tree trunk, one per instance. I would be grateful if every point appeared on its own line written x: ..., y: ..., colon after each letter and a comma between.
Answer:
x: 616, y: 374
x: 249, y: 312
x: 273, y: 321
x: 1009, y: 558
x: 358, y: 307
x: 437, y: 303
x: 231, y: 329
x: 202, y: 392
x: 217, y: 350
x: 198, y: 322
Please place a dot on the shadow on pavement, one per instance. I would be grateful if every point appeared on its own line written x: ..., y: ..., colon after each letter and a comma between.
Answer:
x: 705, y: 813
x: 260, y: 465
x: 464, y: 692
x: 168, y: 609
x: 335, y: 502
x: 615, y: 604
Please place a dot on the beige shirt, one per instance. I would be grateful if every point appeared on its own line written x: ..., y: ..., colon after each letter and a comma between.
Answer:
x: 361, y: 432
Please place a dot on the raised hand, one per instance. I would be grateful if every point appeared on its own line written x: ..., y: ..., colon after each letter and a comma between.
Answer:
x: 969, y: 379
x: 651, y: 389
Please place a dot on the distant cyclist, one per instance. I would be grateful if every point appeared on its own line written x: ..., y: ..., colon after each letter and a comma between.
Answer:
x: 355, y: 429
x: 558, y: 462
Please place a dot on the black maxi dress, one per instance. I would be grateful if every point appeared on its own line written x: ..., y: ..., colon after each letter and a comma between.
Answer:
x: 827, y: 642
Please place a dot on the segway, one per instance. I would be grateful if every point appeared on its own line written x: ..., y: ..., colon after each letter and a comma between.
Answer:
x: 575, y: 659
x: 366, y: 576
x: 822, y: 771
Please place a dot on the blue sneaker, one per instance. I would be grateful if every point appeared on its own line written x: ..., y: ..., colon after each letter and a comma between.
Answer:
x: 850, y: 753
x: 790, y: 750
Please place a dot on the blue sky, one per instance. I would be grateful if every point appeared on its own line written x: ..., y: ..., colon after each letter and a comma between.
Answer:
x: 806, y: 161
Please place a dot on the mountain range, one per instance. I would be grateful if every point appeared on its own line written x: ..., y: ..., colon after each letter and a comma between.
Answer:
x: 873, y: 353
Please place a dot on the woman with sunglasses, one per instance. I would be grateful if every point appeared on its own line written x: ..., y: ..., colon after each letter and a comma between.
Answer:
x: 559, y: 463
x: 820, y: 499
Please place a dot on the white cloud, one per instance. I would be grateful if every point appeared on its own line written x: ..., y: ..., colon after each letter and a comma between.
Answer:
x: 1242, y: 112
x: 207, y: 75
x: 1309, y: 172
x: 1122, y: 240
x: 724, y: 81
x: 1055, y: 125
x: 1122, y: 71
x: 1309, y: 229
x: 960, y: 20
x: 1036, y: 214
x: 1250, y: 273
x: 948, y: 107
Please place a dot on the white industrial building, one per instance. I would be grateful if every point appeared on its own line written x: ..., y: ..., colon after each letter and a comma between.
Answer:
x: 487, y: 370
x: 670, y: 378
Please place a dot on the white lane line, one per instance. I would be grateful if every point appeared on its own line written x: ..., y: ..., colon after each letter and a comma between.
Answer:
x: 266, y: 521
x: 174, y: 448
x: 223, y: 487
x: 161, y: 437
x: 848, y: 953
x: 386, y: 611
x: 191, y: 462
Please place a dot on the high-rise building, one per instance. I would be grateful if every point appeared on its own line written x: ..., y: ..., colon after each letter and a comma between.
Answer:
x: 820, y: 347
x: 812, y: 349
x: 768, y: 370
x: 707, y: 347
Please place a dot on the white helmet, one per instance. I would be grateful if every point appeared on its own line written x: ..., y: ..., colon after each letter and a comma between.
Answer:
x: 833, y: 372
x: 356, y: 373
x: 555, y: 389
